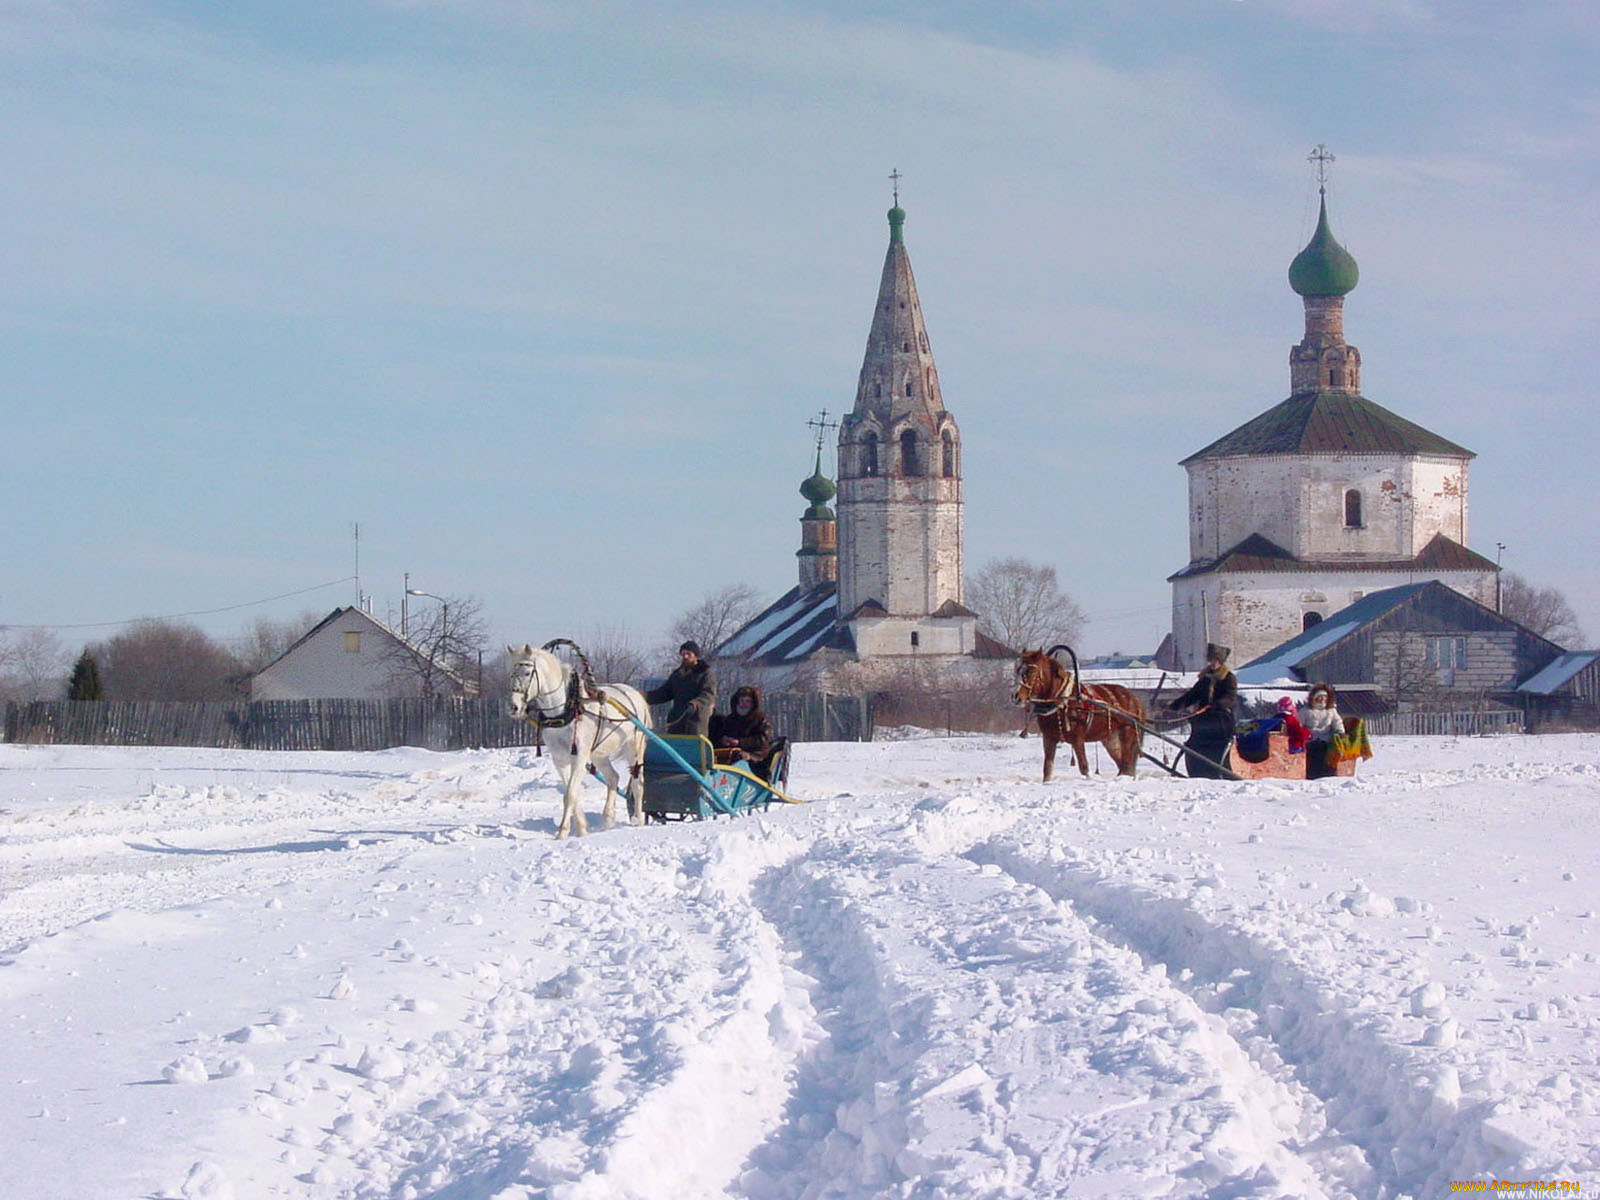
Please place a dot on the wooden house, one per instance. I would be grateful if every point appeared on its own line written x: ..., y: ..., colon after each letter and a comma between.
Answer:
x: 1418, y: 646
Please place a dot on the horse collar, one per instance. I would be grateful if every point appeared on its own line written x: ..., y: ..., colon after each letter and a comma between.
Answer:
x: 569, y: 710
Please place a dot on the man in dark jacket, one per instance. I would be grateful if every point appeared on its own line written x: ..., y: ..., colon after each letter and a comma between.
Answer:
x: 1213, y: 697
x: 692, y: 691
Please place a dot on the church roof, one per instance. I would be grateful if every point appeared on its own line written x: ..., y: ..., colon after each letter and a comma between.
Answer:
x: 805, y: 620
x: 800, y: 622
x: 1257, y: 554
x: 1328, y: 422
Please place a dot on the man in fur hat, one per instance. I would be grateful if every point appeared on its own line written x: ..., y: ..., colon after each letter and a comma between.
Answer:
x: 692, y: 691
x: 1213, y: 697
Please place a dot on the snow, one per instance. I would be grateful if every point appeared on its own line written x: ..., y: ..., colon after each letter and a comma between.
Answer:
x: 234, y: 974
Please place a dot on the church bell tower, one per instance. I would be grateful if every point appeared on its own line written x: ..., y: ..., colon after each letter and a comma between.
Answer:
x: 899, y: 500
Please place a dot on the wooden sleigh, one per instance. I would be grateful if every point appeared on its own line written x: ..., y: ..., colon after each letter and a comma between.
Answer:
x: 1278, y: 763
x: 684, y: 781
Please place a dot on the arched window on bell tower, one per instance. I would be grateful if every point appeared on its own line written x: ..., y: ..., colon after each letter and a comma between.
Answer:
x: 869, y: 453
x: 908, y: 454
x: 1352, y: 509
x: 948, y: 446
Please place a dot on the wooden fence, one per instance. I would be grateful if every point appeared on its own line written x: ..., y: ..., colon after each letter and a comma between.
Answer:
x: 440, y: 723
x: 1446, y: 724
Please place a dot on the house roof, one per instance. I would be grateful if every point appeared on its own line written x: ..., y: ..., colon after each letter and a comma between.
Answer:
x: 1558, y: 673
x: 1257, y: 553
x: 1281, y: 662
x: 1284, y: 661
x: 1328, y: 423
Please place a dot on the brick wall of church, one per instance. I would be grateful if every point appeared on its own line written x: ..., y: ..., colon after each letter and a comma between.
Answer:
x: 1301, y: 503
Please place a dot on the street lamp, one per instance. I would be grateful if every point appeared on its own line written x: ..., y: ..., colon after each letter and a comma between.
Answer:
x: 444, y: 605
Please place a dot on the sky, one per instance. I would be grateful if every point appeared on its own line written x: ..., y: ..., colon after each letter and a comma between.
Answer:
x: 240, y: 975
x: 541, y: 296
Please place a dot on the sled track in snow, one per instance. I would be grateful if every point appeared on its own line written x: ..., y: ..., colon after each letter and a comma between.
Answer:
x: 1035, y: 1052
x: 1292, y: 1025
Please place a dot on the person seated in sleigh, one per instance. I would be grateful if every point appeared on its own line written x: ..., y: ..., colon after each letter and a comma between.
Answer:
x: 743, y: 734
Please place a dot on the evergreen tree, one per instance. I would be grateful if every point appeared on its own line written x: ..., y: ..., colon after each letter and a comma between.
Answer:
x: 85, y: 683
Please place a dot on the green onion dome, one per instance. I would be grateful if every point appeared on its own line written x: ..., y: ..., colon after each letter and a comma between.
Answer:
x: 1323, y: 268
x: 819, y: 489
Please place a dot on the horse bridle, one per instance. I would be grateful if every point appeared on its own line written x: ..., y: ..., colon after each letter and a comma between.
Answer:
x: 533, y: 711
x: 1038, y: 706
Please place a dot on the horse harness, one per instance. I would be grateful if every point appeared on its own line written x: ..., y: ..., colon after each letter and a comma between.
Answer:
x: 581, y: 690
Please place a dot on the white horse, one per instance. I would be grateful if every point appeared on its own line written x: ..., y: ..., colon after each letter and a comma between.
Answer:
x: 585, y: 732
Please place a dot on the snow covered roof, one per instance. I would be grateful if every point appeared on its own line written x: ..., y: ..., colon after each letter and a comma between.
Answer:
x: 1280, y: 663
x: 799, y: 622
x: 1559, y: 672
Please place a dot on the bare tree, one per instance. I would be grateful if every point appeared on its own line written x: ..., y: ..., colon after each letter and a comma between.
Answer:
x: 1542, y: 609
x: 1021, y: 605
x: 445, y: 643
x: 615, y: 656
x: 267, y: 637
x: 167, y: 660
x: 716, y: 617
x: 33, y: 664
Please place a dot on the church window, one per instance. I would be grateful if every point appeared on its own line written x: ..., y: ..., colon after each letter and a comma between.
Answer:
x: 908, y: 454
x: 908, y: 387
x: 869, y: 454
x: 949, y: 444
x: 877, y: 391
x: 1310, y: 619
x: 905, y: 345
x: 916, y: 639
x: 1352, y: 509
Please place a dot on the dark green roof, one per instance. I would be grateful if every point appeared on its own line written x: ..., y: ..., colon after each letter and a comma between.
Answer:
x: 1329, y: 423
x: 1258, y: 553
x: 1323, y: 268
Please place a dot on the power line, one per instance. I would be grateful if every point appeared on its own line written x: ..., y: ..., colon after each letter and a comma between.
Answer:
x: 199, y: 612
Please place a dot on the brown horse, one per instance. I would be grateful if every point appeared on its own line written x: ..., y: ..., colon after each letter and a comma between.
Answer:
x: 1077, y: 713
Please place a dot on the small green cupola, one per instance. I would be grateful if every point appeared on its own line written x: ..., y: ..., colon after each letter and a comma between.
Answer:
x: 1323, y: 268
x: 819, y: 489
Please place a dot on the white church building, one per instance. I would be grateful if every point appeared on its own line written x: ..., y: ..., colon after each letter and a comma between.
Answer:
x: 880, y: 583
x: 1320, y: 500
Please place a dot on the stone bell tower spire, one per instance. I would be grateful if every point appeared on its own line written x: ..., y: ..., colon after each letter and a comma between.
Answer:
x: 900, y: 505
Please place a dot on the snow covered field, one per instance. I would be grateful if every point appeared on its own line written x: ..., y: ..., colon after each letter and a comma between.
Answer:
x: 228, y: 974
